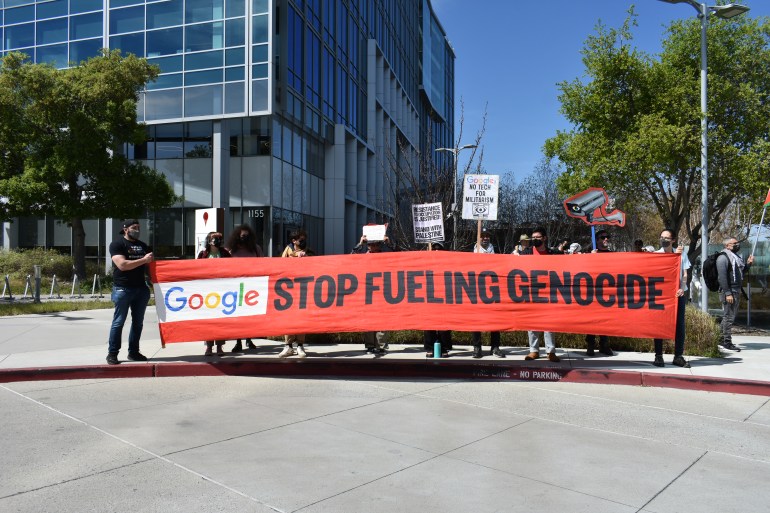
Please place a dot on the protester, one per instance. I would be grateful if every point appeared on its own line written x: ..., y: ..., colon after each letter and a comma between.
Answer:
x: 242, y: 243
x: 443, y: 337
x: 494, y: 336
x: 214, y: 249
x: 296, y: 249
x: 523, y: 244
x: 539, y: 248
x: 731, y: 269
x: 668, y: 245
x: 375, y: 342
x: 130, y: 257
x: 486, y: 246
x: 602, y: 246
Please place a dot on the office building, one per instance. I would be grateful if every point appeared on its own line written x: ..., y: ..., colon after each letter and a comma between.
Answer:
x: 286, y: 113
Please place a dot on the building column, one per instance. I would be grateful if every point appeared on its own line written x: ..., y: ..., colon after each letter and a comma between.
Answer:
x: 10, y: 235
x: 220, y: 144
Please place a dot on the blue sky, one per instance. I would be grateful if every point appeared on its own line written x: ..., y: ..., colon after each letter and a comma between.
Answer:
x: 510, y: 58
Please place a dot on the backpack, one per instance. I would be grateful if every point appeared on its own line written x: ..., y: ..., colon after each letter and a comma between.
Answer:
x: 710, y: 274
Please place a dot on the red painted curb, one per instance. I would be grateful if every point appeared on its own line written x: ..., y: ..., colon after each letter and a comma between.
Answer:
x: 83, y: 372
x: 377, y: 368
x: 707, y: 384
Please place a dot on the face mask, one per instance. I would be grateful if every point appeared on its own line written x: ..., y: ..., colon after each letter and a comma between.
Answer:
x: 736, y: 248
x: 302, y: 244
x: 537, y: 243
x: 485, y: 243
x: 134, y: 234
x: 244, y: 238
x: 665, y: 243
x: 216, y: 242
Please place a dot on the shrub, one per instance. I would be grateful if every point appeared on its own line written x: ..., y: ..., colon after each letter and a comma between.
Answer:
x: 19, y: 263
x: 702, y: 338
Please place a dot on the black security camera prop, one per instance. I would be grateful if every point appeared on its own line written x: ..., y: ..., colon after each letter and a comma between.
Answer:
x: 591, y: 206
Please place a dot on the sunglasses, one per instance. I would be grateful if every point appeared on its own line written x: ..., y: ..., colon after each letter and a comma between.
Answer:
x: 604, y: 237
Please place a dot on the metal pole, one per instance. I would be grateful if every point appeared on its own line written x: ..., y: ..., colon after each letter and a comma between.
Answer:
x: 454, y: 205
x: 704, y: 152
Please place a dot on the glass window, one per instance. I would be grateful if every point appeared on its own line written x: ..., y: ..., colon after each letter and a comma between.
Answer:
x: 129, y: 43
x: 166, y: 81
x: 18, y: 36
x: 86, y: 25
x: 193, y: 61
x: 198, y: 179
x: 259, y: 6
x: 16, y: 3
x: 52, y: 31
x: 83, y: 50
x: 234, y: 97
x: 211, y: 76
x: 235, y: 8
x: 20, y: 14
x: 164, y: 42
x: 235, y: 56
x: 207, y: 36
x: 259, y: 71
x: 168, y: 64
x: 172, y: 170
x: 259, y: 29
x: 51, y: 9
x: 77, y: 6
x: 203, y: 10
x: 163, y: 105
x: 259, y: 53
x: 127, y: 20
x: 235, y: 74
x: 235, y: 34
x: 203, y: 101
x: 197, y: 149
x: 259, y: 99
x: 54, y: 54
x: 124, y: 3
x: 164, y: 14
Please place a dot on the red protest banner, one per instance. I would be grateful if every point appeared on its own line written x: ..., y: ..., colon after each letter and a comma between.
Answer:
x: 621, y: 294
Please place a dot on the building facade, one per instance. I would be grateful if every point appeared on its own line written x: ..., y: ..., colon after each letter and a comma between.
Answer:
x: 285, y: 113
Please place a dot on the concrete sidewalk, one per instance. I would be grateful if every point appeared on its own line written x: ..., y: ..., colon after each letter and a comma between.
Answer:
x: 73, y: 345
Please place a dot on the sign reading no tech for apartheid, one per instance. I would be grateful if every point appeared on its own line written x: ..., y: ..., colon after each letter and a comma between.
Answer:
x: 428, y: 221
x: 480, y: 197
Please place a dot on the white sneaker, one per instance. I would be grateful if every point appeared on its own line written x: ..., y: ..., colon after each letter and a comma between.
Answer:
x: 301, y: 352
x: 287, y: 351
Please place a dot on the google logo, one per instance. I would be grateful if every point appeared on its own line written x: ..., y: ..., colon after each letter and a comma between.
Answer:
x: 208, y: 299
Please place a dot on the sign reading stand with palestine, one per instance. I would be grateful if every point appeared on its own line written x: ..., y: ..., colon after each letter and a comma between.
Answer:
x: 428, y: 222
x: 480, y: 197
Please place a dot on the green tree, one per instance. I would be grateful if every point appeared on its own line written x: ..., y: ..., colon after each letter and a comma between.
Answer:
x: 637, y: 120
x: 62, y: 134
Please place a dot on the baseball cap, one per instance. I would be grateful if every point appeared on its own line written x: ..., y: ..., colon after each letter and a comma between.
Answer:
x: 524, y: 236
x: 126, y: 223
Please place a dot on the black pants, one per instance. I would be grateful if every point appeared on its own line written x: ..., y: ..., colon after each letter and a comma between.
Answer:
x: 604, y: 342
x: 679, y: 336
x: 494, y: 339
x: 430, y: 337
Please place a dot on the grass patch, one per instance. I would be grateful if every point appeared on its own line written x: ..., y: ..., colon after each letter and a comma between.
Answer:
x: 8, y: 308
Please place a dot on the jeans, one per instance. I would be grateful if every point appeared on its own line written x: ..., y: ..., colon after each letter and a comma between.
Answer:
x: 679, y: 336
x: 729, y: 312
x: 135, y: 298
x: 534, y: 344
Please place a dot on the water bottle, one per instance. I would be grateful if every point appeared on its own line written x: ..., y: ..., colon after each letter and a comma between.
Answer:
x: 437, y: 349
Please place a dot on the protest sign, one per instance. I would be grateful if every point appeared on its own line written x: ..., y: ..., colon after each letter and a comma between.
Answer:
x: 428, y: 220
x: 480, y: 197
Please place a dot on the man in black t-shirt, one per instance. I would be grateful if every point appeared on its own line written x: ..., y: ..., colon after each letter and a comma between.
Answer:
x: 130, y: 257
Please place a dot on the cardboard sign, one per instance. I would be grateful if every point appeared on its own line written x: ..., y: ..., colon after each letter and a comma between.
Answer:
x: 480, y: 197
x: 428, y: 220
x: 375, y: 232
x: 619, y: 294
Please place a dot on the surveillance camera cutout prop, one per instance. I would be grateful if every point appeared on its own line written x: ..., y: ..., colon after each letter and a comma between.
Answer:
x: 591, y: 206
